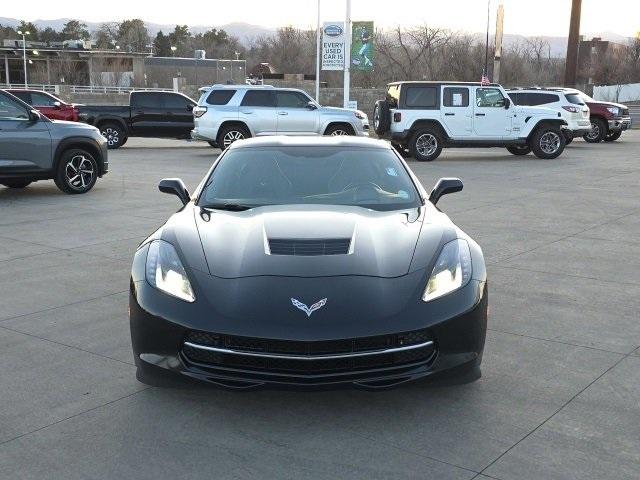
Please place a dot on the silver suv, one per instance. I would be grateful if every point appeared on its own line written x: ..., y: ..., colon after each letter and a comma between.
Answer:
x: 226, y: 113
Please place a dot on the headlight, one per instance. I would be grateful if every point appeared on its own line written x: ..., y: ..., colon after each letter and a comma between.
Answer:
x: 360, y: 115
x: 613, y: 110
x: 451, y: 272
x: 165, y: 271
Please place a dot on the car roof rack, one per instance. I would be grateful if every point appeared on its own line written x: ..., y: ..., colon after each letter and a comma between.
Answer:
x: 234, y: 86
x: 528, y: 88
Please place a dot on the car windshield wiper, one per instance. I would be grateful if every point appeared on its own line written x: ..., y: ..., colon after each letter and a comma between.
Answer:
x: 233, y: 207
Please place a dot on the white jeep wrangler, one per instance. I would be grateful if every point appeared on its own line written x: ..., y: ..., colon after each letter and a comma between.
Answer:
x: 422, y: 118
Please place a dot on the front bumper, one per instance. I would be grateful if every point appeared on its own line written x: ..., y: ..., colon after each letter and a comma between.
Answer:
x: 623, y: 123
x: 371, y: 359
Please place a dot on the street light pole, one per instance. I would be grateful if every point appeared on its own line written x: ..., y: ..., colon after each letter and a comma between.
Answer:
x: 24, y: 54
x: 318, y: 55
x: 347, y: 54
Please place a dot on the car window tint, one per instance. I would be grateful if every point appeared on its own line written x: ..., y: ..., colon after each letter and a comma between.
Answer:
x: 147, y: 100
x: 42, y: 100
x: 534, y: 99
x: 371, y: 178
x: 177, y: 102
x: 456, y: 97
x: 515, y: 98
x: 425, y: 97
x: 489, y: 97
x: 12, y: 110
x: 286, y: 99
x: 574, y: 98
x: 24, y: 96
x: 220, y: 97
x: 258, y: 98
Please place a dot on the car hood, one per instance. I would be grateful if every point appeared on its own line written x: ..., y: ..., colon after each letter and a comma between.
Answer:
x: 609, y: 104
x: 380, y: 244
x: 79, y: 126
x: 340, y: 111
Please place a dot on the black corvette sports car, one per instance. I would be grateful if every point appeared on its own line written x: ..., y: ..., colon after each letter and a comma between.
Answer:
x: 309, y: 262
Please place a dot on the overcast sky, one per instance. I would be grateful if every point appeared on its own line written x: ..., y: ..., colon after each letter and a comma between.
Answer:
x: 526, y: 17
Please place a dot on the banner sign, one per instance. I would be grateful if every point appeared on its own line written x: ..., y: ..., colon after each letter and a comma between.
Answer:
x: 333, y: 46
x: 362, y: 48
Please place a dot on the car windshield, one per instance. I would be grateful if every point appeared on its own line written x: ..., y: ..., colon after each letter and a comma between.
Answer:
x: 367, y: 177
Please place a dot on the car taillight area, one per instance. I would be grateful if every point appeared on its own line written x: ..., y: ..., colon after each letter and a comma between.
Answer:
x: 571, y: 108
x: 199, y: 111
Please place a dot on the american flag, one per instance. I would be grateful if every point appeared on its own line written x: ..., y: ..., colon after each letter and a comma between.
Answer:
x: 484, y: 81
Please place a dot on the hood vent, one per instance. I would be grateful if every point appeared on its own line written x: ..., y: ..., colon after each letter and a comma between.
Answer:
x: 305, y: 247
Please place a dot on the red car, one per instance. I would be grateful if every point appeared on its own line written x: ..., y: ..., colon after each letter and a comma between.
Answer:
x: 50, y: 106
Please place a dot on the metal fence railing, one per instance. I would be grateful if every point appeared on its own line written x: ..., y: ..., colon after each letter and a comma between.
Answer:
x: 81, y: 88
x: 17, y: 86
x: 116, y: 90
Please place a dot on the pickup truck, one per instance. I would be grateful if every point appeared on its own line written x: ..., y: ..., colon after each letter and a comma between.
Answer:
x: 157, y: 114
x: 608, y: 119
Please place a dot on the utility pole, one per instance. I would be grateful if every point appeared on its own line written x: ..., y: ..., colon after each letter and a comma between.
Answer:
x: 347, y: 54
x: 498, y: 49
x: 571, y: 65
x: 486, y: 45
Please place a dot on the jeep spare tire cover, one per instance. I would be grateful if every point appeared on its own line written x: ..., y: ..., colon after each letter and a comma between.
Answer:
x: 381, y: 117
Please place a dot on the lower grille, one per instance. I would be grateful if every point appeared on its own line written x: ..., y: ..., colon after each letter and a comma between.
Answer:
x: 307, y: 357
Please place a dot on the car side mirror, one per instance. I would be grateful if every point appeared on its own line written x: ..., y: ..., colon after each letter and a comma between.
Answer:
x: 176, y: 187
x: 507, y: 103
x: 57, y: 105
x: 311, y: 106
x: 444, y: 186
x: 34, y: 116
x: 190, y: 107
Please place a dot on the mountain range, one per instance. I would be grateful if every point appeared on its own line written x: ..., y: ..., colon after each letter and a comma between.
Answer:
x: 246, y: 32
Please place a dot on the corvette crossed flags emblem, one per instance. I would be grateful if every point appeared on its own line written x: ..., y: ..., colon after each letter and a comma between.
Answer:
x: 308, y: 310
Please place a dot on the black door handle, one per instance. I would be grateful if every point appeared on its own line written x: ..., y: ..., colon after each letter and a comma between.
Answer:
x: 480, y: 114
x: 449, y: 114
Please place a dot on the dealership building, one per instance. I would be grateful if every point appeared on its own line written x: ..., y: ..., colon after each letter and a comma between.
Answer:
x: 76, y: 63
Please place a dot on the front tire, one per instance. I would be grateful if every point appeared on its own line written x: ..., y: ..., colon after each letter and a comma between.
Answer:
x: 425, y: 145
x: 231, y: 134
x: 548, y: 143
x: 114, y: 134
x: 77, y: 172
x: 519, y: 149
x: 613, y: 136
x: 16, y: 183
x: 339, y: 131
x: 598, y: 131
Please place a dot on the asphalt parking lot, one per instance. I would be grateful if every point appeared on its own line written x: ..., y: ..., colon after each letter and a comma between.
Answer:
x: 561, y: 373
